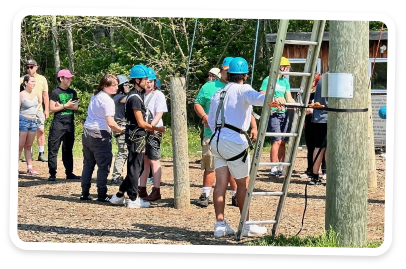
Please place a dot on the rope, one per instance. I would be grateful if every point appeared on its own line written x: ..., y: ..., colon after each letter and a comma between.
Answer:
x: 376, y: 53
x: 190, y: 54
x: 255, y: 53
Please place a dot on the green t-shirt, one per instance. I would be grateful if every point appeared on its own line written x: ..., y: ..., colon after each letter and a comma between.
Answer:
x: 204, y: 96
x: 282, y: 86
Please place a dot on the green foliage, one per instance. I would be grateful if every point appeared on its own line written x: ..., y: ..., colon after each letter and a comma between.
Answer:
x: 327, y: 239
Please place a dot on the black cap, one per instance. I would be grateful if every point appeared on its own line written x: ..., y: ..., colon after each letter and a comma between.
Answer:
x: 31, y: 62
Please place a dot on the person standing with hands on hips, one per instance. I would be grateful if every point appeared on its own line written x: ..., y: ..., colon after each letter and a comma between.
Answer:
x: 63, y: 102
x: 135, y: 134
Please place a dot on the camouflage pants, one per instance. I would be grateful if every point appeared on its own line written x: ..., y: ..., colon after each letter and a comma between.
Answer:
x: 121, y: 157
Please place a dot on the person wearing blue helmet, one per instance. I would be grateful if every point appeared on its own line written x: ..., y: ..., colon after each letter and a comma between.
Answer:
x: 202, y: 107
x: 229, y: 119
x: 279, y: 120
x: 135, y: 133
x: 155, y: 103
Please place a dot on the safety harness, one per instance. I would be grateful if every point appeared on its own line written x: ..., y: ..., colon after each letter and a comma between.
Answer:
x: 219, y: 126
x: 140, y: 141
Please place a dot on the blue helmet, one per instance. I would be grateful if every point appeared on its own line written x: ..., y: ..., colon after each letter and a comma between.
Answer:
x: 382, y: 112
x: 151, y: 73
x: 139, y: 71
x: 226, y: 63
x: 238, y: 65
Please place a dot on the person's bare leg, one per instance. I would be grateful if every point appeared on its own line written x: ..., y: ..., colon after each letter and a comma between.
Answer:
x: 222, y: 175
x: 242, y: 184
x: 317, y: 163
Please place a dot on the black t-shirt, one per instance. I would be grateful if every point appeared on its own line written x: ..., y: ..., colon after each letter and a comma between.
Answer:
x: 62, y: 96
x: 137, y: 103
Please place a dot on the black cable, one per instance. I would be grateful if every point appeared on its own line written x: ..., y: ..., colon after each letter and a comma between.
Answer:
x: 304, y: 212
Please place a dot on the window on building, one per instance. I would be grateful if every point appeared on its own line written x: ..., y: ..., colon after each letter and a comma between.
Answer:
x: 380, y: 75
x: 297, y: 65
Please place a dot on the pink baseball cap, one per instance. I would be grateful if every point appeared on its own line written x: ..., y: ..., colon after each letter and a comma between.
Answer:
x: 65, y: 73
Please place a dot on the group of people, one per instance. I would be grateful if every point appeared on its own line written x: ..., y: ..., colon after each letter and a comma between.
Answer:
x: 225, y: 105
x: 129, y: 109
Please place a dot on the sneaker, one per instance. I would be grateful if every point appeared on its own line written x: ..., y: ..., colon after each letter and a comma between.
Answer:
x: 117, y: 200
x: 138, y: 203
x: 276, y: 173
x: 23, y: 160
x: 223, y: 230
x: 84, y: 197
x: 73, y: 176
x: 31, y: 172
x: 314, y: 181
x: 253, y: 230
x: 324, y: 176
x: 116, y: 180
x: 203, y: 200
x: 42, y: 158
x: 103, y: 199
x: 234, y: 200
x: 51, y: 178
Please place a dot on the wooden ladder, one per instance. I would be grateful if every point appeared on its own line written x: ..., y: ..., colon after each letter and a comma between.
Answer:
x: 306, y: 85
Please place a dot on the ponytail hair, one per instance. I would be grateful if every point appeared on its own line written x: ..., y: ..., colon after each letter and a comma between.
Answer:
x: 25, y: 79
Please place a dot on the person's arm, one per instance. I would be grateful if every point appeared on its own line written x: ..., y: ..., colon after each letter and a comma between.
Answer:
x: 45, y: 99
x: 289, y: 98
x: 145, y: 125
x: 55, y: 107
x: 157, y: 118
x: 201, y: 114
x: 254, y: 129
x: 113, y: 124
x: 39, y: 104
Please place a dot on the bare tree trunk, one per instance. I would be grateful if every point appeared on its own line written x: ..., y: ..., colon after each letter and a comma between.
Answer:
x: 70, y: 46
x: 180, y: 143
x: 347, y: 152
x: 113, y: 54
x: 54, y: 29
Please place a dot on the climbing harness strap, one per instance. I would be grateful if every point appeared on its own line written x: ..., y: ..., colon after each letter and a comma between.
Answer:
x: 219, y: 126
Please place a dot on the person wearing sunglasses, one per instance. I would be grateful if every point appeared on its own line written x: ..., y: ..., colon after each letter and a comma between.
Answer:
x: 119, y: 100
x: 41, y: 88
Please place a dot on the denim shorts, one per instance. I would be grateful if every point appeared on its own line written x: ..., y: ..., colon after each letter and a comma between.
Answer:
x: 278, y: 123
x: 28, y: 124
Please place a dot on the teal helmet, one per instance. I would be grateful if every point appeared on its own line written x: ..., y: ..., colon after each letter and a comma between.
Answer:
x: 226, y: 63
x: 238, y: 65
x: 139, y: 71
x: 158, y: 83
x: 151, y: 73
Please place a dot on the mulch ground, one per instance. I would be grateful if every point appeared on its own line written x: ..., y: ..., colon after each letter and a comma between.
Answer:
x: 52, y: 211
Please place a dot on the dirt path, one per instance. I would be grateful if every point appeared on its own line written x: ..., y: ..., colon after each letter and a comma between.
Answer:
x: 52, y: 211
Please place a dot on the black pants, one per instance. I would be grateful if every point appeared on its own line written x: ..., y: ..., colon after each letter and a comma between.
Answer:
x: 61, y: 132
x: 97, y: 149
x: 310, y: 135
x: 135, y: 167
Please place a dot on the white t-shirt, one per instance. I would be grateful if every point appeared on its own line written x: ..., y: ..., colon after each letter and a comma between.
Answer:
x: 237, y: 110
x: 156, y: 104
x: 100, y: 106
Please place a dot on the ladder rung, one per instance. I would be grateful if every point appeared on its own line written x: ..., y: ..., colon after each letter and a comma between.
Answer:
x: 260, y: 221
x: 300, y: 42
x: 296, y: 74
x: 280, y: 164
x: 281, y: 134
x: 267, y: 193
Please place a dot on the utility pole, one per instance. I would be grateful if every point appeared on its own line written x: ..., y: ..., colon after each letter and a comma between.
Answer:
x: 347, y: 136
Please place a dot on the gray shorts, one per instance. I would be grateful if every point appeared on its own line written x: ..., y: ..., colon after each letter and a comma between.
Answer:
x: 278, y: 123
x: 40, y: 119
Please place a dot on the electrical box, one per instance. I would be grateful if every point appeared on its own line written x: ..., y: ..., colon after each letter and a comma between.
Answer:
x: 338, y: 85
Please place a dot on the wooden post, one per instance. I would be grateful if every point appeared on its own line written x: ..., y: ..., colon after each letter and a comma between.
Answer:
x: 180, y: 143
x: 347, y: 136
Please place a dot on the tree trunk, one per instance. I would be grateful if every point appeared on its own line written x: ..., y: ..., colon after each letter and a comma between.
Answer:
x: 347, y: 152
x: 113, y: 54
x: 70, y: 46
x: 180, y: 143
x: 54, y: 29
